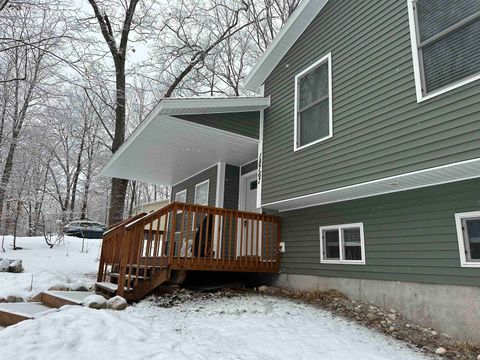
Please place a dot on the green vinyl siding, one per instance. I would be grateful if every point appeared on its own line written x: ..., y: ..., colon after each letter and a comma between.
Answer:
x: 409, y: 236
x: 379, y: 129
x: 232, y: 186
x: 189, y: 184
x: 246, y: 123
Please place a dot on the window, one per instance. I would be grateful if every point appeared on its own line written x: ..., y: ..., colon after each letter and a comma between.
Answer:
x: 342, y: 244
x: 201, y: 193
x: 181, y: 196
x: 313, y: 104
x: 468, y: 232
x: 445, y: 44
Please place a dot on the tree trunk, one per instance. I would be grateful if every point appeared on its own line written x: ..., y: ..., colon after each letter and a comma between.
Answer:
x: 119, y: 186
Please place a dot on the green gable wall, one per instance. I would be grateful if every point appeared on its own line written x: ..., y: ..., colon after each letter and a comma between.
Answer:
x: 246, y: 123
x: 189, y: 184
x: 409, y: 236
x: 379, y: 128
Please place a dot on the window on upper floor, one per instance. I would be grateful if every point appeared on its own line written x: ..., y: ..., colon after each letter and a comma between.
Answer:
x: 313, y: 104
x: 445, y: 44
x: 468, y: 233
x: 342, y: 244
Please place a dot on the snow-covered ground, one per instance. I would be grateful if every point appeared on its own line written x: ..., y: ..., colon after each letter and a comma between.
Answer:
x: 247, y: 327
x: 63, y: 265
x: 243, y: 327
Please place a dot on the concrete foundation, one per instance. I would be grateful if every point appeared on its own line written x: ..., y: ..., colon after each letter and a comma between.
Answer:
x: 454, y: 310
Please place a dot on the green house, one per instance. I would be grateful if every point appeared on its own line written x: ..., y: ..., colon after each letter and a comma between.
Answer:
x: 364, y: 139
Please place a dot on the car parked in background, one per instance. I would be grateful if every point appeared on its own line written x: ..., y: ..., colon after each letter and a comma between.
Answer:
x: 85, y: 229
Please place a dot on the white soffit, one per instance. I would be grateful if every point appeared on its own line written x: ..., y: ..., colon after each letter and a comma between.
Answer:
x: 298, y: 22
x: 165, y: 150
x: 199, y: 106
x: 464, y: 170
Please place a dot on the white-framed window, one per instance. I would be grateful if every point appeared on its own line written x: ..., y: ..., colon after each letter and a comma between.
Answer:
x: 468, y: 233
x: 342, y: 244
x: 445, y: 38
x: 313, y: 104
x: 181, y: 196
x: 201, y: 193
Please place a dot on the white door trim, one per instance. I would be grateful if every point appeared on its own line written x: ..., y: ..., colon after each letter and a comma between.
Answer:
x: 243, y: 190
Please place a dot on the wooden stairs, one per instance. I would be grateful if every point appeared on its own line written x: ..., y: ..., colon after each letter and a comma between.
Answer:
x: 139, y: 281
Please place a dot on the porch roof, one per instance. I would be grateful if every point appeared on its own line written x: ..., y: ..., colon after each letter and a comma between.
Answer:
x: 165, y: 149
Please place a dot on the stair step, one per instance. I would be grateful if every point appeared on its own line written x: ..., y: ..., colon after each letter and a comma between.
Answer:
x: 13, y: 313
x: 110, y: 287
x: 116, y: 275
x: 57, y: 299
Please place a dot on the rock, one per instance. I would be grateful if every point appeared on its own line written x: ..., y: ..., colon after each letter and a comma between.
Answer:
x: 2, y: 300
x: 408, y: 325
x: 391, y: 328
x: 440, y: 351
x: 478, y: 357
x: 434, y: 333
x: 392, y: 316
x: 117, y: 303
x: 15, y: 267
x: 35, y: 298
x: 263, y: 289
x: 59, y: 288
x: 4, y: 264
x: 95, y: 302
x: 14, y: 299
x: 393, y: 311
x: 372, y: 316
x: 78, y: 286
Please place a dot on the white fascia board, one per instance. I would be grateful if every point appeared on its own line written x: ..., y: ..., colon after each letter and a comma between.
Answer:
x: 298, y: 22
x: 195, y: 106
x: 444, y: 174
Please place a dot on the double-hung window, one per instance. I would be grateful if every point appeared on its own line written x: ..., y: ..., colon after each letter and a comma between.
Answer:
x: 468, y: 233
x: 342, y: 244
x: 313, y: 104
x: 445, y: 44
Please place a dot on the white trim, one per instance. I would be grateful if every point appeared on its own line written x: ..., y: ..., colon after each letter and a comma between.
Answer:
x: 242, y: 191
x: 451, y: 173
x: 260, y: 154
x: 417, y: 66
x: 295, y: 26
x: 340, y: 244
x: 180, y: 192
x: 220, y: 191
x: 461, y: 240
x: 326, y: 59
x: 211, y: 105
x: 208, y: 189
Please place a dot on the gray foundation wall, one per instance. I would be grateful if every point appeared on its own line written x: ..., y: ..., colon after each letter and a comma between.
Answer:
x: 454, y: 310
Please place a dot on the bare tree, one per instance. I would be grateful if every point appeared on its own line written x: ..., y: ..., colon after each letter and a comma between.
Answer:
x: 118, y: 53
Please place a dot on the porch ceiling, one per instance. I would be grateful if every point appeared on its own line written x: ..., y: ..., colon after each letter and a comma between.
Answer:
x: 165, y: 149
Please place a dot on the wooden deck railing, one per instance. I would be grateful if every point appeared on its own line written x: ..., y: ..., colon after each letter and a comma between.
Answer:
x: 191, y: 237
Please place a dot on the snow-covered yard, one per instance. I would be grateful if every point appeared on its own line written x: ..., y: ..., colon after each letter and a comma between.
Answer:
x: 63, y: 265
x: 247, y: 327
x: 219, y: 327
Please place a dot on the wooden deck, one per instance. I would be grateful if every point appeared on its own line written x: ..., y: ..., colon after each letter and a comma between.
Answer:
x: 141, y: 252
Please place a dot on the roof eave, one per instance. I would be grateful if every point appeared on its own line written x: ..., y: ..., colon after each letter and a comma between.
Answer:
x: 288, y: 35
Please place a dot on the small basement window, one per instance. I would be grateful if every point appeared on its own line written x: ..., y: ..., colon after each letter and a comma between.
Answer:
x: 445, y: 43
x: 468, y: 233
x: 342, y: 244
x: 313, y: 104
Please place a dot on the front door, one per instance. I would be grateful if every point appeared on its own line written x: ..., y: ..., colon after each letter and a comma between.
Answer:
x: 248, y: 238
